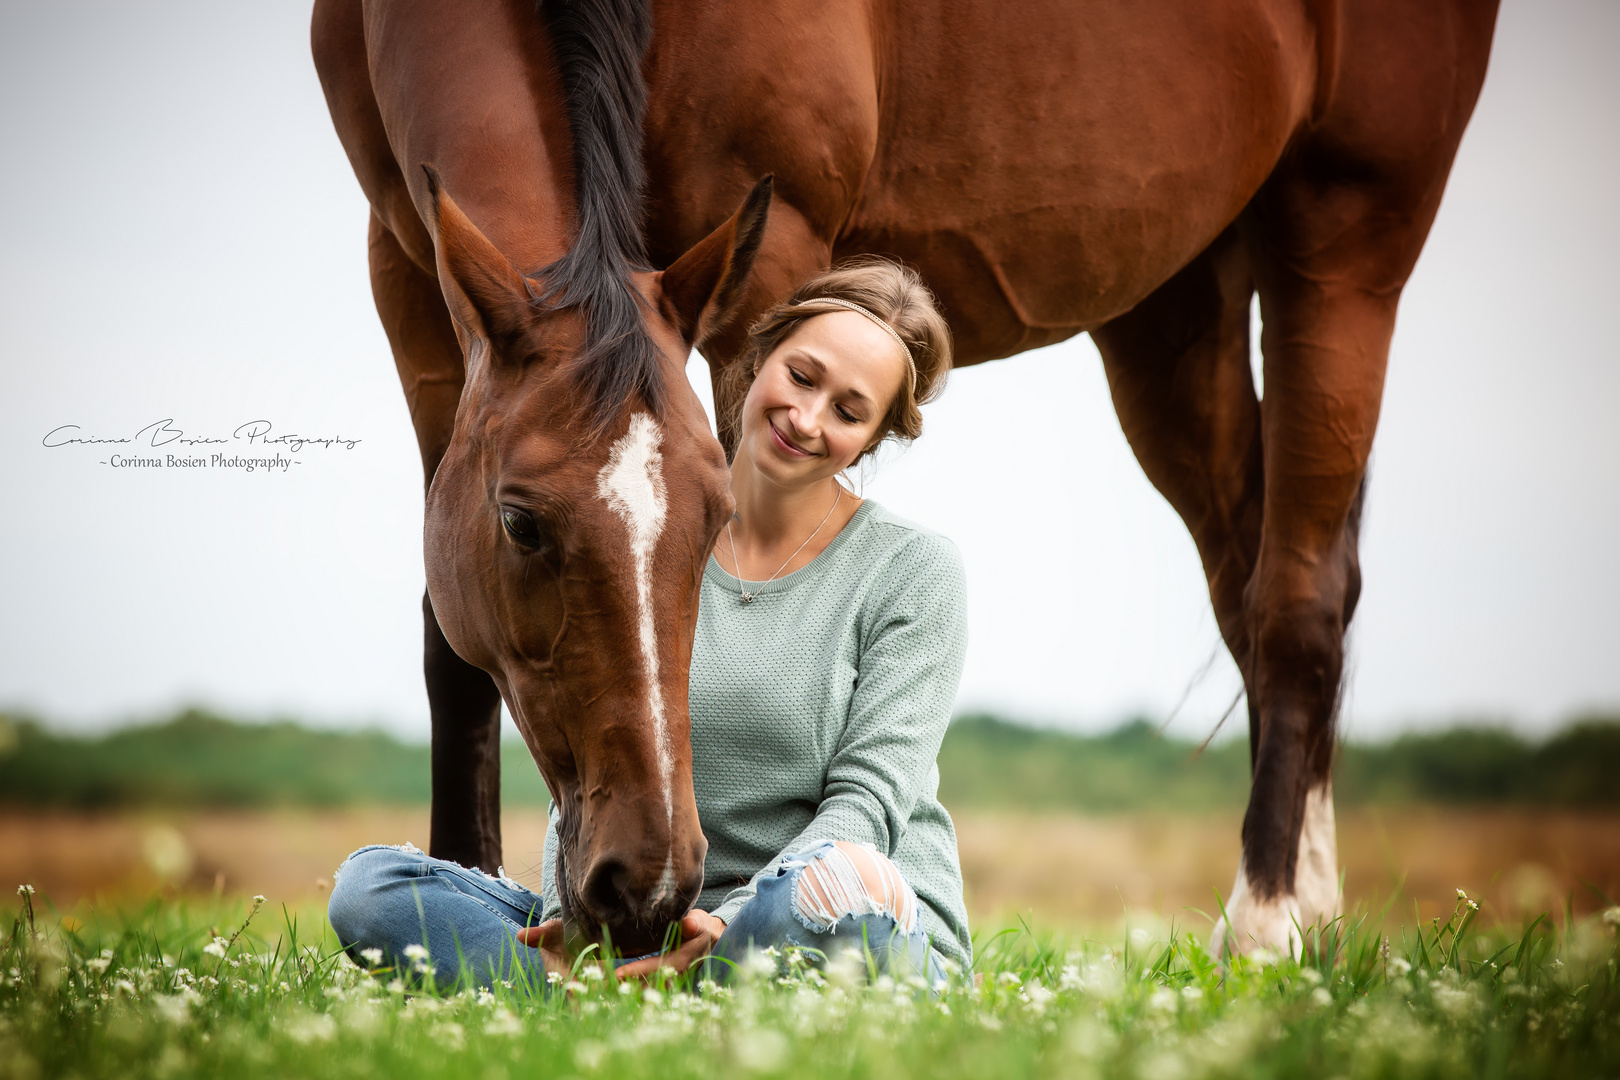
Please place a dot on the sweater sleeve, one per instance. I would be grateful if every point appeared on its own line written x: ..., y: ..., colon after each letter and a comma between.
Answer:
x: 913, y: 640
x: 551, y: 908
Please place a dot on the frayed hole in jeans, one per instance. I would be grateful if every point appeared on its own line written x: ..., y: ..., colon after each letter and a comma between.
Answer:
x: 846, y: 880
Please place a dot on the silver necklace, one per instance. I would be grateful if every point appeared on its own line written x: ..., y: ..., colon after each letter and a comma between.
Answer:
x: 748, y: 597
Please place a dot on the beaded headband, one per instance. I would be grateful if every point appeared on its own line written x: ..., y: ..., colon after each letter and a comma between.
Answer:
x: 911, y: 363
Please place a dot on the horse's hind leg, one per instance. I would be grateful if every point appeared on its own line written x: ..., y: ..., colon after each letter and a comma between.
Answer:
x: 1178, y: 370
x: 1332, y: 238
x: 463, y: 701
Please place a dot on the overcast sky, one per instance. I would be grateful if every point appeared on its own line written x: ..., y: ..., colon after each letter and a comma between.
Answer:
x: 185, y: 240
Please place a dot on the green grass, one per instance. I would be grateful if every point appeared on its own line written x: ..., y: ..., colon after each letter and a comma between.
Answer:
x: 197, y: 759
x: 172, y: 990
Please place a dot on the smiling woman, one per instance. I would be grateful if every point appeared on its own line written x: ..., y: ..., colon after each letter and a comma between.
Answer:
x: 896, y: 302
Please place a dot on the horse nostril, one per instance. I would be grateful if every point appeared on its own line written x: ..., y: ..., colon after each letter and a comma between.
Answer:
x: 605, y: 890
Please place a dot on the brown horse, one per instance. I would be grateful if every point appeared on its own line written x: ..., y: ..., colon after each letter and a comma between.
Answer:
x: 1138, y: 171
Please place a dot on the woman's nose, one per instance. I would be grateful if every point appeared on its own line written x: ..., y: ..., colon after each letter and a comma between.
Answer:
x: 806, y: 419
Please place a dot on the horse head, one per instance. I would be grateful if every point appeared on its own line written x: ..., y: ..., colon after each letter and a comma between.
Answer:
x: 565, y: 538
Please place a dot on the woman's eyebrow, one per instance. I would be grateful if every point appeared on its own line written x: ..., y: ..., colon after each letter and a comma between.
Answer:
x: 821, y: 369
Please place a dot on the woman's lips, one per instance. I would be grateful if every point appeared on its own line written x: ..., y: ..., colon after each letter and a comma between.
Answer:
x: 786, y: 447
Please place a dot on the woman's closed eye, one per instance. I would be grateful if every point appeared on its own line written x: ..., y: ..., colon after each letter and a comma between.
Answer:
x: 844, y: 412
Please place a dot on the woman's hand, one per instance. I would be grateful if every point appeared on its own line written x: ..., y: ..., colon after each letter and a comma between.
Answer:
x: 548, y: 938
x: 699, y: 933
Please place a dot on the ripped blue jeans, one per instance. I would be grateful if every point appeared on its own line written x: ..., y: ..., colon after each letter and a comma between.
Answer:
x: 781, y: 915
x: 388, y: 903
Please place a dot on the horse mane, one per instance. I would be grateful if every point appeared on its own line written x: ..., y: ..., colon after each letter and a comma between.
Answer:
x: 599, y: 47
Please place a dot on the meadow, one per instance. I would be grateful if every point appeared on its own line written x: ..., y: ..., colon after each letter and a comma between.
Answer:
x: 175, y: 989
x: 1092, y: 865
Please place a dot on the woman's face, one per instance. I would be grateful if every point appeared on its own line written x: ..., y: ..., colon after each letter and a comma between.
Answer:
x: 820, y: 398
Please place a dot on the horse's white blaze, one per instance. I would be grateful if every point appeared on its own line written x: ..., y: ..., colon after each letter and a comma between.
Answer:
x: 666, y: 881
x: 1275, y: 924
x: 632, y: 484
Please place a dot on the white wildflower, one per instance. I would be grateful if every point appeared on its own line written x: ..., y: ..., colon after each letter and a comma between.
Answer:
x: 1162, y: 1000
x: 258, y: 899
x: 416, y: 952
x: 1321, y: 997
x: 1456, y: 1002
x: 98, y: 964
x: 589, y: 1054
x: 1009, y: 978
x: 761, y: 963
x: 176, y: 1008
x: 448, y: 1033
x: 372, y: 957
x: 1069, y: 978
x: 760, y: 1049
x: 1611, y: 917
x: 1400, y: 966
x: 503, y: 1022
x: 845, y: 968
x: 1192, y: 993
x: 652, y: 997
x: 216, y: 947
x: 311, y: 1028
x: 591, y: 973
x: 25, y: 890
x: 1037, y: 997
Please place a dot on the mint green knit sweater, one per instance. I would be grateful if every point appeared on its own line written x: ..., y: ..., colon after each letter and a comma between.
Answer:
x: 818, y: 711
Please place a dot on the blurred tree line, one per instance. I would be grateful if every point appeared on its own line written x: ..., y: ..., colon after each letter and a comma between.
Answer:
x: 199, y: 759
x: 987, y: 763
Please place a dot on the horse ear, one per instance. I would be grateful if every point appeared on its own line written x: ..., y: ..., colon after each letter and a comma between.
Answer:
x: 704, y: 288
x: 487, y: 297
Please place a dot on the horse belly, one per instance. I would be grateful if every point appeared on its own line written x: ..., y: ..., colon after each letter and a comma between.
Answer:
x: 1048, y: 165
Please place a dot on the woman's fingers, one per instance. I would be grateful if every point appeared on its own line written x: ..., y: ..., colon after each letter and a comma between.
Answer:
x: 690, y: 952
x: 548, y: 935
x: 699, y: 932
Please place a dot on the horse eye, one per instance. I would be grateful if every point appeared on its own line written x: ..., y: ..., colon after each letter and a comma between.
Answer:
x: 520, y: 526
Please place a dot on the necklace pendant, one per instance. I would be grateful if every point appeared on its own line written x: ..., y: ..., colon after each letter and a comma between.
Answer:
x: 748, y: 597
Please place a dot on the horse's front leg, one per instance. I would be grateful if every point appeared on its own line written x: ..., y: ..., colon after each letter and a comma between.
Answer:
x: 463, y: 701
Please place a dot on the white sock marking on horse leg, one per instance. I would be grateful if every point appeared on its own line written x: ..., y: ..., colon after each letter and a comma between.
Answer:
x: 632, y: 484
x: 1316, y: 870
x: 1252, y: 923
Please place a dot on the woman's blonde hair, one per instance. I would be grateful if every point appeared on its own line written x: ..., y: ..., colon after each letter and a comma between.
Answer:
x: 892, y: 292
